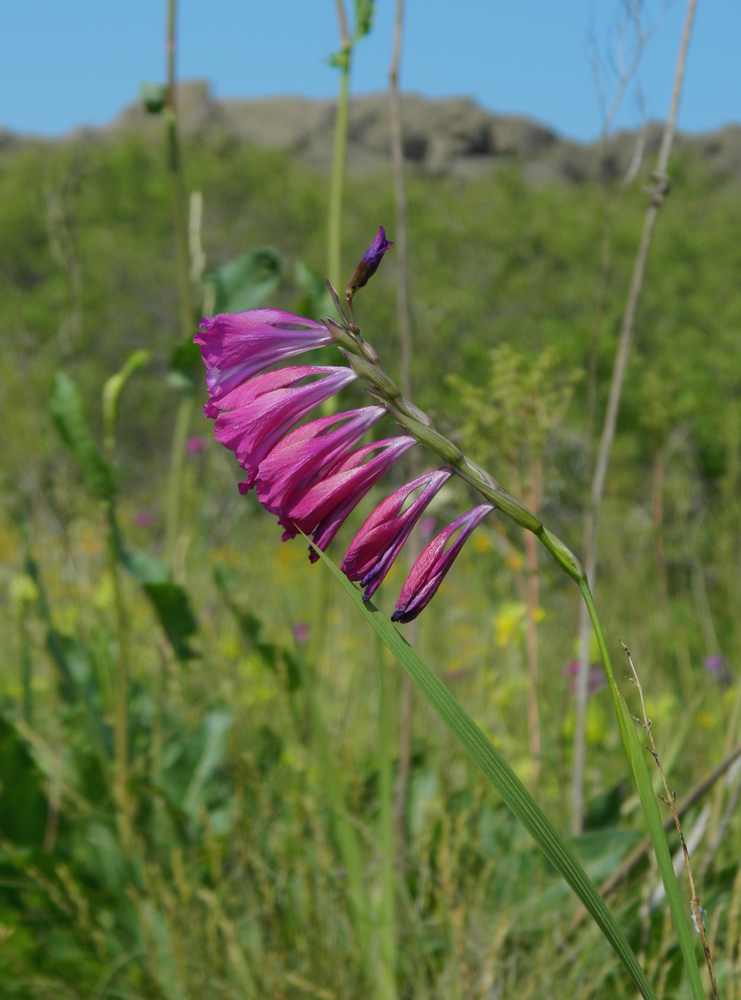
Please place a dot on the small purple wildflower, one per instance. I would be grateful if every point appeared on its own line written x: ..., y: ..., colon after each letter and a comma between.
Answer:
x: 369, y: 263
x: 717, y: 666
x: 436, y: 559
x: 596, y: 682
x: 195, y: 445
x: 144, y: 519
x: 301, y: 632
x: 379, y: 541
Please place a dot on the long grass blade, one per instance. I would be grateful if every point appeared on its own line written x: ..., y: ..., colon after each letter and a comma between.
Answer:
x: 500, y: 774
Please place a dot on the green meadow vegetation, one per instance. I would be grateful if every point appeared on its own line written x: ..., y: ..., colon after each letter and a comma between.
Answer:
x: 258, y: 700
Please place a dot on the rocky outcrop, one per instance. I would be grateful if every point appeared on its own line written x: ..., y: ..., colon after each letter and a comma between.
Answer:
x: 441, y: 136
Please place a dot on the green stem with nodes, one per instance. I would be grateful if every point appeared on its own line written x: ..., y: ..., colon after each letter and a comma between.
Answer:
x: 419, y: 425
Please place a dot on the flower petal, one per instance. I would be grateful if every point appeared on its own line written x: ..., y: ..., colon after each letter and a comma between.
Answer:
x: 269, y: 405
x: 381, y: 538
x: 236, y: 346
x: 309, y: 453
x: 434, y: 562
x: 321, y: 509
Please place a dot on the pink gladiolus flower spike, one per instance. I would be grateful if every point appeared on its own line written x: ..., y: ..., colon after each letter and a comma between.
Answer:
x: 262, y: 410
x: 234, y: 347
x: 377, y: 544
x: 430, y: 568
x: 321, y: 509
x: 309, y: 453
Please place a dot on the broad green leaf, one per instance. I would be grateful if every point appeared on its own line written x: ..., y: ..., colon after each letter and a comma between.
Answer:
x: 246, y: 282
x: 24, y: 808
x: 66, y: 411
x: 274, y: 656
x: 216, y: 726
x: 172, y: 607
x: 186, y: 367
x: 364, y: 14
x: 501, y: 775
x: 112, y: 394
x: 316, y: 302
x: 152, y: 96
x: 170, y: 601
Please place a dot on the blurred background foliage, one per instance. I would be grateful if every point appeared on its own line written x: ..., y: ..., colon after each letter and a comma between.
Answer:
x: 216, y: 872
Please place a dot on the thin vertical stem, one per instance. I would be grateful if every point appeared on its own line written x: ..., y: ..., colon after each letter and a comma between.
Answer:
x: 400, y: 234
x: 608, y: 430
x: 26, y: 666
x: 120, y: 691
x: 405, y: 368
x: 387, y: 925
x: 174, y: 501
x: 334, y: 262
x: 185, y: 295
x: 174, y: 165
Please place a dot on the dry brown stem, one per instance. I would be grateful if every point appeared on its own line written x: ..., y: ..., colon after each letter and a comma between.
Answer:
x: 657, y: 194
x: 670, y: 797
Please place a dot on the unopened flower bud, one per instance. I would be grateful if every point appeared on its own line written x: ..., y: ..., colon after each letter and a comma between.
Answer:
x: 369, y: 263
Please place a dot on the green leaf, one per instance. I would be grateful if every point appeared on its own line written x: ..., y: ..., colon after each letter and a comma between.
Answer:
x: 112, y: 394
x: 24, y: 808
x: 170, y: 601
x: 152, y: 96
x: 316, y: 302
x: 364, y: 13
x: 246, y: 282
x: 216, y: 726
x: 500, y: 774
x: 186, y: 367
x: 66, y: 411
x: 273, y: 656
x: 636, y: 753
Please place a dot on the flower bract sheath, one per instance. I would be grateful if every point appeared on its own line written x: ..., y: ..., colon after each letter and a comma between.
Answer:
x: 321, y: 509
x: 262, y: 410
x: 434, y: 562
x: 369, y: 263
x: 379, y: 541
x: 236, y: 346
x: 309, y: 453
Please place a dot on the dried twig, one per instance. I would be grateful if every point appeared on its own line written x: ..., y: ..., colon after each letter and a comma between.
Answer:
x: 697, y: 910
x: 405, y: 344
x: 657, y: 193
x: 639, y: 852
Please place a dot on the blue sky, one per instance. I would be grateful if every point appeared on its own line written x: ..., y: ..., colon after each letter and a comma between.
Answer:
x: 65, y: 63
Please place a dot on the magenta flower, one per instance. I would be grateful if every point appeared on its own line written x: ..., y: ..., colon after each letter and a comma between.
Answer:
x: 195, y: 444
x: 369, y: 263
x: 234, y: 347
x: 379, y: 541
x: 430, y: 568
x: 309, y: 453
x: 301, y: 632
x: 321, y: 509
x: 262, y: 410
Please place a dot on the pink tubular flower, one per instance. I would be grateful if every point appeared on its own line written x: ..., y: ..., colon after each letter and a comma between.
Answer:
x: 234, y: 347
x: 381, y: 538
x: 309, y: 453
x: 262, y: 410
x: 321, y: 509
x: 430, y: 568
